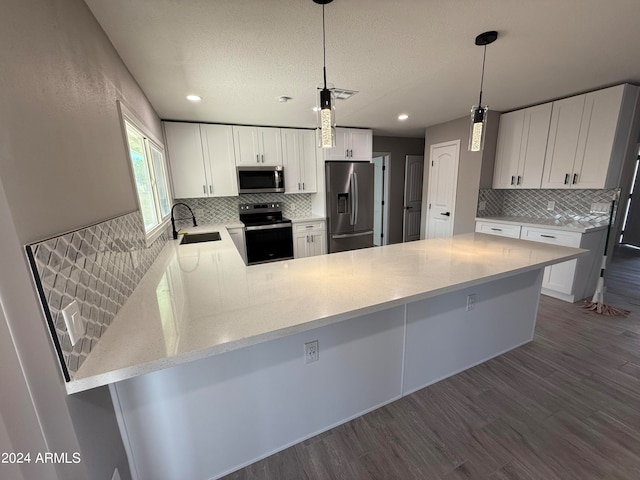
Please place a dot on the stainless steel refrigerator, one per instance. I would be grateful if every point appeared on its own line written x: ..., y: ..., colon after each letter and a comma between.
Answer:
x: 349, y: 188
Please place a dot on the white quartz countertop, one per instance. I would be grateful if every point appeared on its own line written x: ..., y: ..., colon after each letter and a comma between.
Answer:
x: 580, y: 226
x: 201, y: 299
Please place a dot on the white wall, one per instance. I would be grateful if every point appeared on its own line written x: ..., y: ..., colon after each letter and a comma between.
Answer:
x: 63, y: 165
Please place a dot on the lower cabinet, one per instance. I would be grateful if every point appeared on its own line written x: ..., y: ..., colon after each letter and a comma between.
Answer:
x: 572, y: 280
x: 237, y: 235
x: 309, y: 239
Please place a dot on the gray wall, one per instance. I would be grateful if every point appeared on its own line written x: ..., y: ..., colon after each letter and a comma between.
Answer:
x: 475, y: 170
x: 63, y: 165
x: 397, y: 148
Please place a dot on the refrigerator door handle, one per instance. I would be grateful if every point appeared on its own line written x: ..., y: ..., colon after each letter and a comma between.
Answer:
x: 352, y: 213
x: 356, y: 198
x: 349, y: 235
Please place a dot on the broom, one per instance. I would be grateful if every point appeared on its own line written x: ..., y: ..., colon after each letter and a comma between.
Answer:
x: 597, y: 302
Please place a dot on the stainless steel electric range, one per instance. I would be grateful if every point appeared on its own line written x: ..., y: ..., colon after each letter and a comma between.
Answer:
x: 268, y: 235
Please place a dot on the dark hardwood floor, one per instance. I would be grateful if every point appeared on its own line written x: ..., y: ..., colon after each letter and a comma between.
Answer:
x: 565, y: 406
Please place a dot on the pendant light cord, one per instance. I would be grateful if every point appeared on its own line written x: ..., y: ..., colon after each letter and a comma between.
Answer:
x: 484, y: 57
x: 324, y: 51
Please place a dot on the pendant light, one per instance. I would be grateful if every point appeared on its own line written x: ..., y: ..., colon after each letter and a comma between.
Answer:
x: 479, y: 112
x: 326, y: 117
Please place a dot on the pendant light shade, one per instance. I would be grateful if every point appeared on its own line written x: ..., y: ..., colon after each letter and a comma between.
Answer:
x: 479, y: 112
x: 326, y: 110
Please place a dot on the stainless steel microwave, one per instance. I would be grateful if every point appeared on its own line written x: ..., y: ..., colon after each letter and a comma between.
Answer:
x: 263, y: 179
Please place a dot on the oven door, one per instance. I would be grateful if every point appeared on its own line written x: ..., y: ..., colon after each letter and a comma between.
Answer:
x: 268, y: 243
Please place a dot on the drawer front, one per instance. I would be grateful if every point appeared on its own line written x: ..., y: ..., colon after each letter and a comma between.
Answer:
x: 555, y: 237
x: 308, y: 227
x: 502, y: 229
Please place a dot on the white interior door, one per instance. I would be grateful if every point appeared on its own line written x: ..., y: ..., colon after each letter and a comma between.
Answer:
x: 413, y: 174
x: 443, y: 181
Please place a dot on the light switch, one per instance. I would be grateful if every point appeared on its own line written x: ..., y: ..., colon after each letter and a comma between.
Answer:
x: 73, y: 321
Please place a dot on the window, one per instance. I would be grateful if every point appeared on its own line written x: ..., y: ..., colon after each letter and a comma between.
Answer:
x: 150, y: 174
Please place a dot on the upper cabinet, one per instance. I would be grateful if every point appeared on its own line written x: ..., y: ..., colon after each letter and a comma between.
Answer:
x: 352, y: 144
x: 201, y: 159
x: 299, y: 155
x: 522, y: 143
x: 588, y: 137
x: 257, y: 146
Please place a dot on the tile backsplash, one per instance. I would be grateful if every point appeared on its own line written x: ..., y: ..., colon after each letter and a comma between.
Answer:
x: 98, y: 267
x: 225, y: 209
x: 568, y: 204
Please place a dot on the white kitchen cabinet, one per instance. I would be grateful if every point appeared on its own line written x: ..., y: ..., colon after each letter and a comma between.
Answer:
x: 201, y: 160
x: 260, y: 146
x: 237, y: 235
x: 309, y: 239
x: 588, y: 137
x: 522, y: 143
x: 352, y: 144
x: 561, y: 276
x: 570, y: 281
x: 299, y: 156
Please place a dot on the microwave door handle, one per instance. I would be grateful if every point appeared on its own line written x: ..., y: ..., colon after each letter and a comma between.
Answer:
x: 352, y: 199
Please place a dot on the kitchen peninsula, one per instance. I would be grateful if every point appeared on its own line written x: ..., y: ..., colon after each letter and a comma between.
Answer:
x: 206, y: 360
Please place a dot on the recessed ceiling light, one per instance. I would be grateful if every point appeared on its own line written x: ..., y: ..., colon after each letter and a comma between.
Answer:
x: 403, y: 117
x: 194, y: 98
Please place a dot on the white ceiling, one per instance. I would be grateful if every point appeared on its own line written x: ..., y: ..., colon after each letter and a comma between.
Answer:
x: 404, y: 56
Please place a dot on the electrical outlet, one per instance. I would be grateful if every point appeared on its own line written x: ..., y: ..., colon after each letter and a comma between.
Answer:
x: 482, y: 205
x: 311, y: 352
x: 73, y: 321
x: 471, y: 301
x: 551, y: 205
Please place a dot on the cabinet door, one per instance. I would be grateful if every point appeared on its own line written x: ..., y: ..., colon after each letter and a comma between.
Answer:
x: 291, y: 160
x: 535, y: 134
x: 508, y: 149
x: 270, y: 141
x: 217, y: 144
x: 360, y: 144
x: 339, y: 152
x: 560, y: 277
x: 186, y: 159
x: 317, y: 244
x: 301, y: 245
x: 599, y: 124
x: 562, y: 145
x: 308, y: 162
x: 247, y: 146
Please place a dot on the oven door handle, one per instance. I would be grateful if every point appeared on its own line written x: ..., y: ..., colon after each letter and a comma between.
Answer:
x: 267, y: 227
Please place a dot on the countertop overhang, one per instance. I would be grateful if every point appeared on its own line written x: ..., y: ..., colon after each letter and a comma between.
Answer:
x: 579, y: 226
x: 201, y: 299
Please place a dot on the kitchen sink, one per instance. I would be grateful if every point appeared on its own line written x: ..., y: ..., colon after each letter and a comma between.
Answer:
x: 200, y: 237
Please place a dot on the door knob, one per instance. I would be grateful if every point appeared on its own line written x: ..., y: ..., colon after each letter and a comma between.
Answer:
x: 446, y: 214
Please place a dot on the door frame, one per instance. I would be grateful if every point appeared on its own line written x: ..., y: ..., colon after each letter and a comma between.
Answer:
x: 432, y: 147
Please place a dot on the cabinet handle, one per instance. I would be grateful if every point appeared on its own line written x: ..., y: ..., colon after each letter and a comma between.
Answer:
x: 547, y: 236
x: 575, y: 178
x: 312, y: 240
x: 302, y: 185
x: 496, y: 229
x: 262, y: 158
x: 210, y: 188
x: 298, y: 185
x: 566, y: 179
x: 308, y: 239
x: 204, y: 189
x: 519, y: 178
x: 257, y: 158
x: 513, y: 180
x: 346, y: 153
x: 309, y: 226
x: 351, y: 153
